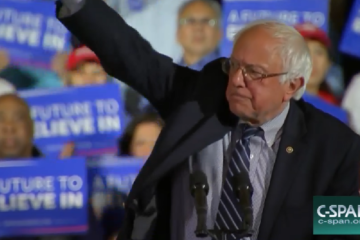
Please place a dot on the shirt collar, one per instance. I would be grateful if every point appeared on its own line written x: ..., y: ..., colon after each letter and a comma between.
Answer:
x: 273, y: 128
x: 202, y: 62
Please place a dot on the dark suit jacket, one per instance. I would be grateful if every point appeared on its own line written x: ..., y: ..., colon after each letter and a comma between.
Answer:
x: 196, y: 113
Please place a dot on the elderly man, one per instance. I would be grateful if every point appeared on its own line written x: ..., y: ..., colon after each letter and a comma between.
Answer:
x: 237, y: 117
x: 199, y: 32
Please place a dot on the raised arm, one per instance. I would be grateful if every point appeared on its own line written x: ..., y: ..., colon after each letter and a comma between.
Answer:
x: 125, y: 55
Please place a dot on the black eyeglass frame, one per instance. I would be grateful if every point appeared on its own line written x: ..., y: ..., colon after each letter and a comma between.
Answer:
x: 227, y: 65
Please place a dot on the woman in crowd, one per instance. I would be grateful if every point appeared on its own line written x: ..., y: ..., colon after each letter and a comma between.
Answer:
x: 140, y: 135
x: 319, y: 45
x: 317, y: 92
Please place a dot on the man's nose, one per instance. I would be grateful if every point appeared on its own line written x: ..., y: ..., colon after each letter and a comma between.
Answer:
x: 88, y: 78
x: 237, y: 78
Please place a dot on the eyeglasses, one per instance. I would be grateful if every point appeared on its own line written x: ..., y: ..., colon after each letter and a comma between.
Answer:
x: 193, y: 21
x: 229, y: 66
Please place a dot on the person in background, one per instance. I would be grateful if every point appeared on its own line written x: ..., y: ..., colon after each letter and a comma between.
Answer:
x: 29, y: 77
x: 15, y: 75
x: 16, y: 142
x: 16, y: 128
x: 140, y: 135
x: 6, y: 87
x: 199, y: 32
x: 317, y: 93
x: 16, y: 132
x: 84, y: 68
x: 319, y: 46
x: 351, y: 103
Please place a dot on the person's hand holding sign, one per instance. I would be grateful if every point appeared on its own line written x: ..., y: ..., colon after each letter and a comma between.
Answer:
x: 4, y: 59
x: 68, y: 150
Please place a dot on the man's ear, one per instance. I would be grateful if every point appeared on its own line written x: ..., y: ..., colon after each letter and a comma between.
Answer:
x: 178, y: 35
x: 292, y: 87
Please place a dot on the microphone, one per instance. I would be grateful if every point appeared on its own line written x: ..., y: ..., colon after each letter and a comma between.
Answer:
x: 243, y: 191
x: 199, y: 189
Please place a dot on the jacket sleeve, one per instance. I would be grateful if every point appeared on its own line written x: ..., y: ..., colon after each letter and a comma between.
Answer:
x: 125, y: 55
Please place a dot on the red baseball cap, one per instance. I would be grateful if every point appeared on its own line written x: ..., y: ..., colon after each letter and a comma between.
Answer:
x: 310, y: 31
x: 79, y: 55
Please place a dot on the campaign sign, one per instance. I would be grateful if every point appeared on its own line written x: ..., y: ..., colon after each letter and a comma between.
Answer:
x: 110, y: 180
x: 41, y: 197
x: 238, y: 13
x: 30, y: 32
x: 351, y: 38
x: 91, y: 117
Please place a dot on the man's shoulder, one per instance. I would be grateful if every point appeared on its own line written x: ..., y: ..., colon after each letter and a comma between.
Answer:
x: 214, y: 64
x: 326, y: 125
x: 213, y: 70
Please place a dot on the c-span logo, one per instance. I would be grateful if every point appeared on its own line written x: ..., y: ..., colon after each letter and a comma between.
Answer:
x: 336, y: 215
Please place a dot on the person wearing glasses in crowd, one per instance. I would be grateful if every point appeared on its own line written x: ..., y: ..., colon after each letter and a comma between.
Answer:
x: 241, y: 115
x: 199, y: 32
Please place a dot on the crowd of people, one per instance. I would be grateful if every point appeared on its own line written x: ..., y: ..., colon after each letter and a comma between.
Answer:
x: 198, y: 32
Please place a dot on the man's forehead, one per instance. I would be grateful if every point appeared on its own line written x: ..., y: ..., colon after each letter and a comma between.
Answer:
x: 194, y: 7
x: 255, y: 47
x: 13, y: 98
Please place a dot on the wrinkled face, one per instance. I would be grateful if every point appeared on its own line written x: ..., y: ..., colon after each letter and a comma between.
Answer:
x: 258, y: 101
x: 16, y: 128
x: 87, y: 73
x: 320, y: 61
x: 198, y: 31
x: 144, y: 139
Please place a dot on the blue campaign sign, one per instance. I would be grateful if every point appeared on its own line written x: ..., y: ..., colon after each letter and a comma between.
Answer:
x: 30, y: 32
x: 91, y: 117
x: 41, y: 197
x: 111, y: 178
x: 351, y: 37
x: 237, y: 13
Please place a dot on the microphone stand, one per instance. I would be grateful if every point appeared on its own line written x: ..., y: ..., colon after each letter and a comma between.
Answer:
x: 199, y: 189
x: 243, y: 191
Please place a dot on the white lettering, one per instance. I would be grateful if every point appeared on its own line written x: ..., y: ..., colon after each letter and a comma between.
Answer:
x: 65, y: 127
x: 33, y: 184
x: 72, y: 183
x: 70, y: 200
x: 27, y: 201
x: 107, y: 106
x: 60, y: 110
x: 289, y: 17
x: 108, y: 124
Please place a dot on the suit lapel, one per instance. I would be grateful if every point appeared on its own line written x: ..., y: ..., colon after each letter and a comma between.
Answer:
x: 192, y: 127
x: 202, y: 133
x: 289, y: 158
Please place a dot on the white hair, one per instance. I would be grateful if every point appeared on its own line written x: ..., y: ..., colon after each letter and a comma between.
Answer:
x: 6, y: 87
x: 292, y: 49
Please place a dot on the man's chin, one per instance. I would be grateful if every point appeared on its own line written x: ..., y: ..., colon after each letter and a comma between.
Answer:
x: 10, y: 155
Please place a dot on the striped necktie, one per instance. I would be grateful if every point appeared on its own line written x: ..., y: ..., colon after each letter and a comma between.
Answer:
x: 229, y: 214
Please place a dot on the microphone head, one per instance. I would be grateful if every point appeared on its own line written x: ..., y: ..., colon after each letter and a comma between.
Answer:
x: 242, y: 180
x: 198, y: 179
